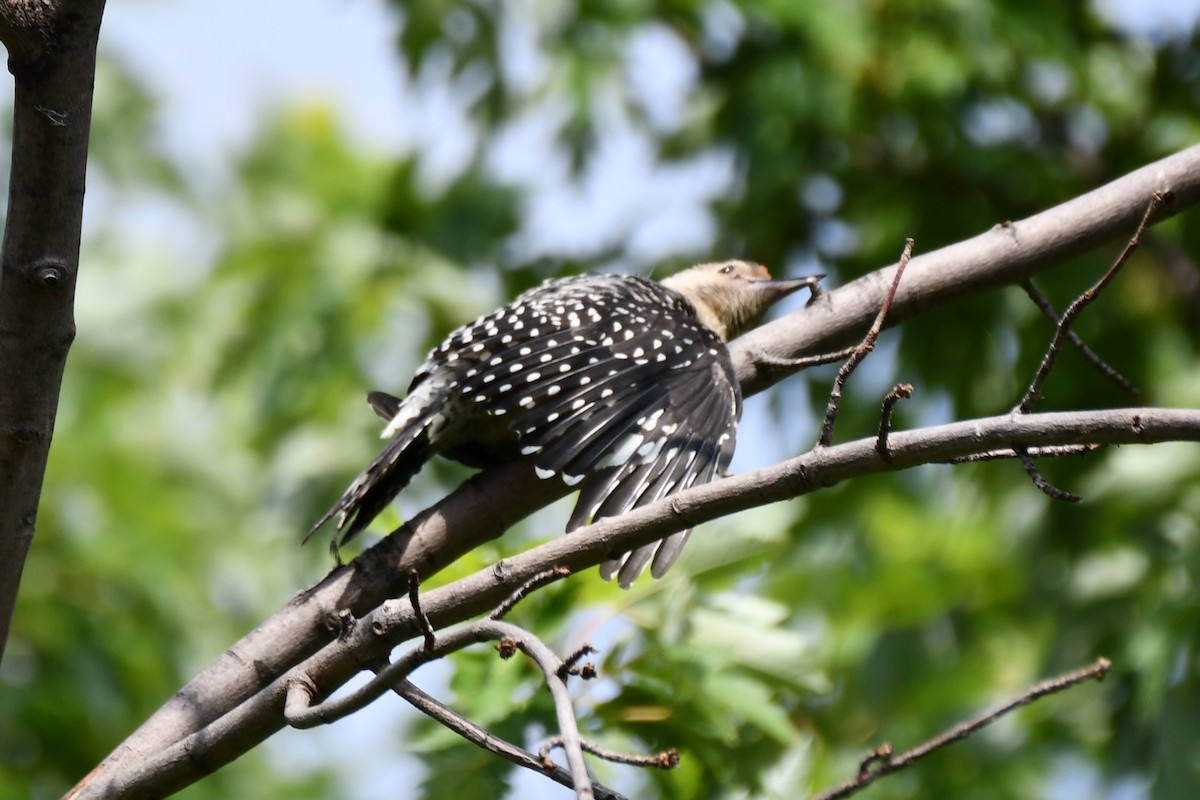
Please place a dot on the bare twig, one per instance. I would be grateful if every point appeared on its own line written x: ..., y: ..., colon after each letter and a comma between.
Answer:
x: 1063, y: 331
x: 897, y: 394
x: 537, y: 581
x: 880, y: 761
x: 667, y: 759
x: 860, y: 352
x: 568, y: 665
x: 480, y: 737
x: 1105, y: 369
x: 1039, y: 480
x: 414, y: 598
x: 398, y: 670
x: 1081, y: 302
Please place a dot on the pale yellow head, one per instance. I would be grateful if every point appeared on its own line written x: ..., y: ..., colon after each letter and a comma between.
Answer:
x: 731, y: 297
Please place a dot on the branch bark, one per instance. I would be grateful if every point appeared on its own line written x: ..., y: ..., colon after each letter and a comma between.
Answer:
x: 231, y: 692
x: 1007, y: 254
x: 52, y: 55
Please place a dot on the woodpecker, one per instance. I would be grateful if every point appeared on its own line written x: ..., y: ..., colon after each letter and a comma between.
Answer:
x: 616, y: 384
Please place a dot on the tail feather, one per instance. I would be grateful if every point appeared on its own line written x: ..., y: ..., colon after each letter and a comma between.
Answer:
x: 401, y: 458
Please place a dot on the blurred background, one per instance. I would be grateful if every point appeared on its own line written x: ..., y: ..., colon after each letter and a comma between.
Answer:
x: 290, y: 202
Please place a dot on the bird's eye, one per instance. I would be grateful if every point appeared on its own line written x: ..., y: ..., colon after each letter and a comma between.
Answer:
x: 727, y: 269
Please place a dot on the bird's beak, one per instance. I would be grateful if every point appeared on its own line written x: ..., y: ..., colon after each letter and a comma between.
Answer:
x: 778, y: 289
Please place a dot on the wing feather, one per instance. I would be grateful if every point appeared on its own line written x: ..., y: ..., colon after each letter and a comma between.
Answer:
x: 612, y: 380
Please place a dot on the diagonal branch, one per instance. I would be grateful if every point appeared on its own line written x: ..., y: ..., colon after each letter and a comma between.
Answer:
x: 881, y: 761
x: 1005, y: 255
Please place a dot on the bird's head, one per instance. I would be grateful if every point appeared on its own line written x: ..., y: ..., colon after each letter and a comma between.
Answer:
x: 731, y: 296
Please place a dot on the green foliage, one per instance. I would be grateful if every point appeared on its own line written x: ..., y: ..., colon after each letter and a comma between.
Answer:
x: 213, y: 407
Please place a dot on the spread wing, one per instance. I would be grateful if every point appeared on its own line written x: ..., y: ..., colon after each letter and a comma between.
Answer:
x: 621, y: 391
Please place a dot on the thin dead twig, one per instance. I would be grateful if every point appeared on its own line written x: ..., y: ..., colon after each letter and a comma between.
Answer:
x: 898, y: 393
x: 587, y: 671
x: 1039, y: 480
x: 1081, y: 302
x: 414, y: 598
x: 1042, y: 302
x: 1063, y: 332
x: 880, y: 761
x: 860, y: 352
x: 667, y: 759
x: 537, y: 581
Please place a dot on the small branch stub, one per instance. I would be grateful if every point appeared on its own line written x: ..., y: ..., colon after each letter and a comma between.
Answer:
x: 586, y: 671
x: 50, y: 273
x: 898, y: 393
x: 414, y: 598
x: 537, y: 581
x: 880, y: 755
x: 507, y: 648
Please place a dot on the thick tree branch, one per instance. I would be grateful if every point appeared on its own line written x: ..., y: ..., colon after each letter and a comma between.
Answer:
x: 27, y: 28
x: 376, y: 634
x: 52, y: 55
x: 484, y: 507
x: 1007, y: 254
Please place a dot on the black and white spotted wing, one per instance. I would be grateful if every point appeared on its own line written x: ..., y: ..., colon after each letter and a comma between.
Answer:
x: 610, y: 382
